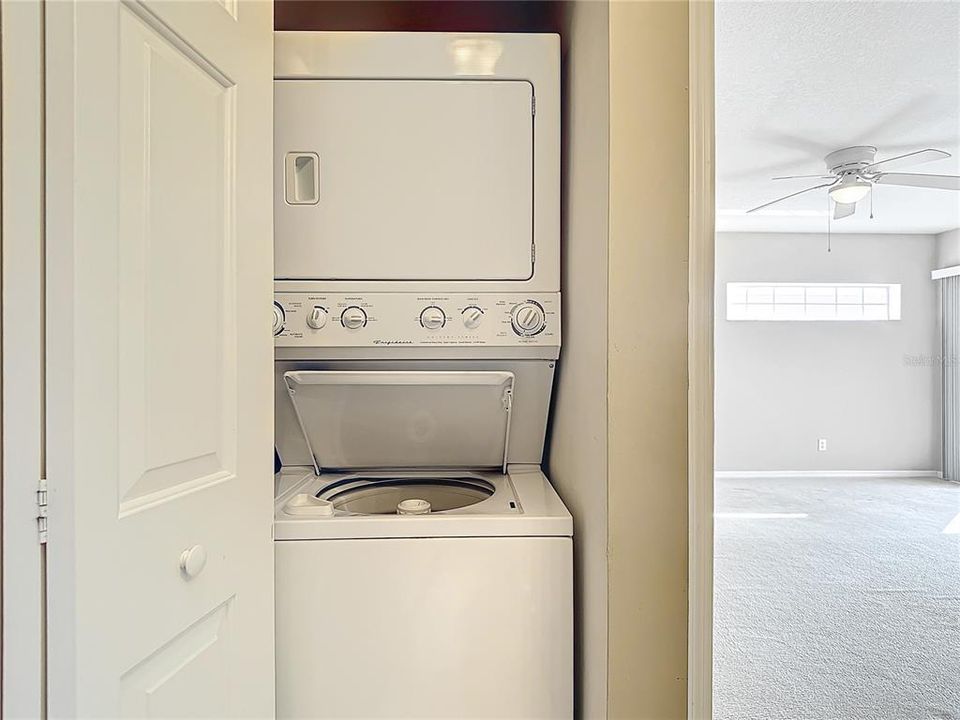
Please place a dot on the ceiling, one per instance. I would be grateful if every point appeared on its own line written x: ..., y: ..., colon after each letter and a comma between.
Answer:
x: 796, y: 80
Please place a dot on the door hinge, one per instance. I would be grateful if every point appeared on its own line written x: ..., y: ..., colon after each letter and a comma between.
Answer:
x: 533, y: 104
x: 42, y: 511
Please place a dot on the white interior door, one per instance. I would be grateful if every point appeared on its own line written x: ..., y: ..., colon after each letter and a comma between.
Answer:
x: 159, y: 356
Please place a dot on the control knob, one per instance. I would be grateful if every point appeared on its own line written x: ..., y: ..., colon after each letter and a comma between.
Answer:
x: 527, y: 319
x: 317, y: 317
x: 472, y: 317
x: 433, y: 318
x: 279, y: 317
x: 353, y: 318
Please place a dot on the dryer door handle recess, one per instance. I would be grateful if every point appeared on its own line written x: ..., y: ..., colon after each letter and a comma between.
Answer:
x: 301, y: 178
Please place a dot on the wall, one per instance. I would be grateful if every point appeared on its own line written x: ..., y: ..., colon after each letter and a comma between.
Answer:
x: 577, y: 462
x: 948, y: 248
x: 419, y: 15
x: 21, y: 421
x: 647, y: 361
x: 782, y: 385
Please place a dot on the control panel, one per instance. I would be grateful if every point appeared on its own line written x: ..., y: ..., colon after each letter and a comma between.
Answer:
x: 317, y: 319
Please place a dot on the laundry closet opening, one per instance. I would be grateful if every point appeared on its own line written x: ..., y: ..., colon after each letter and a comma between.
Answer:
x: 416, y: 328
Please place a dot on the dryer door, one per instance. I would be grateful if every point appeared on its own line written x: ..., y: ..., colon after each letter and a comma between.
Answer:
x: 403, y: 179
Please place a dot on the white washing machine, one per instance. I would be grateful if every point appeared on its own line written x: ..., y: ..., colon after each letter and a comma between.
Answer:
x: 424, y: 561
x: 430, y: 589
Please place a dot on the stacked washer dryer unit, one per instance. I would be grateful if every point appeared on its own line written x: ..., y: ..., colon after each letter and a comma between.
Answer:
x: 424, y: 562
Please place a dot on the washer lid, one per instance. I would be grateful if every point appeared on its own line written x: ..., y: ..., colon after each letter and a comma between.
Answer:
x: 376, y: 419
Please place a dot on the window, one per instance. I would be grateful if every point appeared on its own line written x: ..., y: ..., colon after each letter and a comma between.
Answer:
x: 812, y: 301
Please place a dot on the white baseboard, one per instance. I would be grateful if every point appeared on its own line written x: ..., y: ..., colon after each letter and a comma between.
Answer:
x: 828, y: 473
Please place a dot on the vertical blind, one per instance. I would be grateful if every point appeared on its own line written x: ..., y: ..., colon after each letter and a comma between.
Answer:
x: 950, y: 294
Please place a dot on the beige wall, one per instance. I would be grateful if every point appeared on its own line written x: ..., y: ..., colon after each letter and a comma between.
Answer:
x: 578, y: 442
x: 647, y: 363
x: 618, y: 444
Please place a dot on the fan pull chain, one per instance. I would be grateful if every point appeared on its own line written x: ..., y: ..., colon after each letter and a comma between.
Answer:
x: 871, y: 203
x: 829, y: 225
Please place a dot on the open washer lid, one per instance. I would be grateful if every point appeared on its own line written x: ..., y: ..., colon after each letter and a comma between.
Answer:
x: 384, y: 419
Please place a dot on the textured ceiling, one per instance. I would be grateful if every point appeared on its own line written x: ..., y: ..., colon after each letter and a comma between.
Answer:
x: 796, y: 80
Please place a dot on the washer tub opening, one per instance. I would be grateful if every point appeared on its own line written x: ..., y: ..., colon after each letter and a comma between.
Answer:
x: 380, y: 495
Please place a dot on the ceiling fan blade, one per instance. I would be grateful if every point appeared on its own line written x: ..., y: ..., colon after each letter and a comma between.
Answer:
x: 805, y: 177
x: 787, y: 197
x: 937, y: 182
x: 842, y: 210
x: 908, y: 160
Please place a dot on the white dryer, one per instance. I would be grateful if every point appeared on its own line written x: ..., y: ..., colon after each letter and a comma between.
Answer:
x: 430, y: 160
x: 424, y: 561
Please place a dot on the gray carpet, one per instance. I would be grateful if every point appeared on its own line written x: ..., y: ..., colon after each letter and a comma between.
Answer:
x: 850, y: 612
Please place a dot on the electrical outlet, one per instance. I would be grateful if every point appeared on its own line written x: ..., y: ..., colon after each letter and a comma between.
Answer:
x: 822, y: 445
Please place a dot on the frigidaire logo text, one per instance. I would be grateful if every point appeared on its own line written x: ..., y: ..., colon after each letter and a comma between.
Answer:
x: 393, y: 342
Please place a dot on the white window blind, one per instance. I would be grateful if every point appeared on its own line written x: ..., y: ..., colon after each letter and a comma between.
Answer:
x: 812, y: 301
x: 950, y: 297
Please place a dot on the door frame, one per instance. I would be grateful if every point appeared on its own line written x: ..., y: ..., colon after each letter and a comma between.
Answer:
x: 21, y: 237
x: 700, y: 428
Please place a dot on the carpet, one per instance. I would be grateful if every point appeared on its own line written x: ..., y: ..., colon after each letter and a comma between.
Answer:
x: 837, y: 598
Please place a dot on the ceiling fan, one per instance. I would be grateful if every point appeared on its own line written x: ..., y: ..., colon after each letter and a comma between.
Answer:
x: 853, y: 172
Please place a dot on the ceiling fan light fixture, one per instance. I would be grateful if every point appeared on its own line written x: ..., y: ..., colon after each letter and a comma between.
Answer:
x: 850, y: 191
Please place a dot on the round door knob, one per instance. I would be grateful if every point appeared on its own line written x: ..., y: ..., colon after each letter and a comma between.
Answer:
x: 353, y: 318
x: 317, y: 318
x: 193, y: 560
x: 472, y: 317
x: 527, y: 319
x: 278, y: 318
x: 433, y: 318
